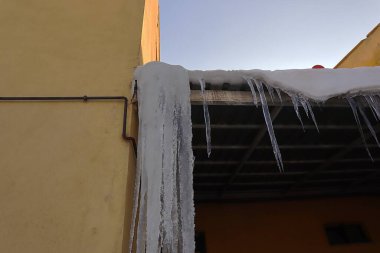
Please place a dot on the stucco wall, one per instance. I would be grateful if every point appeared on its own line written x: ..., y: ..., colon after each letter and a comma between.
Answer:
x: 65, y: 171
x: 286, y: 226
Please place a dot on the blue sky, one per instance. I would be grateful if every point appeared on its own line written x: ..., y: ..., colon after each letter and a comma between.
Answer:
x: 264, y: 34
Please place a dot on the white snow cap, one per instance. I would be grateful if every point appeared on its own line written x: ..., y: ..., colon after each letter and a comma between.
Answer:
x: 315, y: 84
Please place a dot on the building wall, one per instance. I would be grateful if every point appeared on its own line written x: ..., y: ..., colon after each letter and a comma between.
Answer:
x: 286, y: 226
x: 150, y: 41
x: 66, y: 173
x: 366, y: 53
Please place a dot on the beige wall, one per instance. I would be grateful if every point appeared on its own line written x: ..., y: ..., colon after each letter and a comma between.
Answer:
x: 65, y: 171
x: 286, y: 226
x: 366, y: 53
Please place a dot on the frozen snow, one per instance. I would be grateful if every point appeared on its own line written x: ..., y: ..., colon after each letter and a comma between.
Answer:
x: 315, y: 84
x: 163, y: 189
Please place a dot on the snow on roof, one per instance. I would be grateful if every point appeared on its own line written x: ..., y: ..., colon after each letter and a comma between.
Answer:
x: 315, y: 84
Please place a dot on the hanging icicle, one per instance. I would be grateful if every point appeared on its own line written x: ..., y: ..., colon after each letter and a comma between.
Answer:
x: 163, y: 188
x: 310, y: 109
x: 278, y: 91
x: 296, y: 103
x: 270, y: 91
x: 368, y: 123
x: 353, y: 106
x: 306, y: 105
x: 374, y: 103
x: 268, y: 121
x: 206, y: 116
x: 250, y: 84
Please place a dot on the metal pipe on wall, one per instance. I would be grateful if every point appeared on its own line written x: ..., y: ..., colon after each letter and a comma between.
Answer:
x: 84, y: 99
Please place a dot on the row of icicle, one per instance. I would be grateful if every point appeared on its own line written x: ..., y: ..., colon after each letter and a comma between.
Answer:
x: 257, y: 86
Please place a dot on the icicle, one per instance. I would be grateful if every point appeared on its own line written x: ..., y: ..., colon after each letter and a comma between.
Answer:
x: 268, y: 122
x: 185, y: 181
x: 374, y: 105
x: 371, y: 107
x: 250, y: 84
x: 164, y: 162
x: 304, y: 105
x: 312, y: 114
x: 154, y: 193
x: 298, y: 100
x: 295, y: 101
x: 368, y: 123
x: 135, y: 205
x: 206, y: 116
x: 169, y: 165
x: 270, y: 91
x: 353, y: 106
x: 141, y: 228
x: 278, y: 91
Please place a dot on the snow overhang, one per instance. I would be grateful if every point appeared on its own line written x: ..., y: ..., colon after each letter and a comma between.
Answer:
x: 316, y: 84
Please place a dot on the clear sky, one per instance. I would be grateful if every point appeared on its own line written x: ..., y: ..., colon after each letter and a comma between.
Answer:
x: 264, y: 34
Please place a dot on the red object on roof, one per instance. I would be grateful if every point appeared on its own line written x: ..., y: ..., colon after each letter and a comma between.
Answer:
x: 318, y: 67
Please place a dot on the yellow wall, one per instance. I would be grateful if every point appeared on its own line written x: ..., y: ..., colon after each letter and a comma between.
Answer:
x: 150, y: 40
x: 65, y: 171
x: 366, y: 53
x: 286, y: 226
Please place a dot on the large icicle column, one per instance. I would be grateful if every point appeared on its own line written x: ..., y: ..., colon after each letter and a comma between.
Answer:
x: 163, y: 198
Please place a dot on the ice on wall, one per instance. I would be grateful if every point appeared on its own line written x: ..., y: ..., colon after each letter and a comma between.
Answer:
x: 163, y: 198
